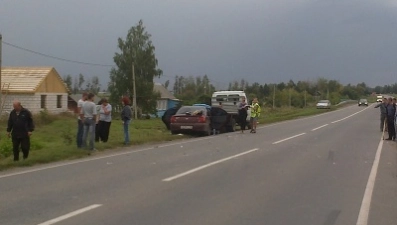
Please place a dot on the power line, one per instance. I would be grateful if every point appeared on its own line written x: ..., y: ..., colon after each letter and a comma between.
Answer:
x: 54, y: 57
x: 80, y: 62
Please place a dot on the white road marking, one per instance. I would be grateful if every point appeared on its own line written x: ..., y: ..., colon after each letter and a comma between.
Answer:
x: 366, y: 203
x: 208, y: 165
x: 320, y: 127
x: 286, y: 139
x: 305, y: 118
x: 98, y: 158
x: 349, y: 116
x: 66, y: 216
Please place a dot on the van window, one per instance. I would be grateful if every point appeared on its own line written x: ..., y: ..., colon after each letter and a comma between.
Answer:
x: 234, y: 98
x: 221, y: 98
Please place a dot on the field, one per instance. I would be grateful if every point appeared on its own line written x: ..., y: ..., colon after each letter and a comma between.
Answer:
x: 55, y: 136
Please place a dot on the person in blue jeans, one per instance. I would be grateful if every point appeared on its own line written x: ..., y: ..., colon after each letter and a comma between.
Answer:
x: 126, y: 115
x: 80, y: 126
x: 88, y: 116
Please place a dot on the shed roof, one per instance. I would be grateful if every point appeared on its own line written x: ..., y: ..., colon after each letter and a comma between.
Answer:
x: 24, y: 79
x: 164, y: 93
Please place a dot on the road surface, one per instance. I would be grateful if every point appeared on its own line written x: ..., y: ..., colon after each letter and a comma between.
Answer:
x: 329, y: 169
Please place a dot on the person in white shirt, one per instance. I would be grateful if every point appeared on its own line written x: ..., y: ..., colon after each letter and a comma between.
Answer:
x: 88, y: 116
x: 80, y: 125
x: 105, y: 119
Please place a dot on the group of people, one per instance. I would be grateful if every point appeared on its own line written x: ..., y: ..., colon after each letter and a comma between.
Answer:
x: 243, y: 113
x: 94, y: 121
x: 388, y: 117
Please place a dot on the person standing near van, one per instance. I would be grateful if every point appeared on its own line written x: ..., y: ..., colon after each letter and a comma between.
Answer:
x: 255, y: 113
x: 242, y: 113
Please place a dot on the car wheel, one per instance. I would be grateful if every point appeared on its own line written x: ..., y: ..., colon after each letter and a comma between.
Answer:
x: 231, y: 127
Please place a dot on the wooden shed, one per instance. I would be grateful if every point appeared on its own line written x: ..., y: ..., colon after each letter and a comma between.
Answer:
x: 37, y: 88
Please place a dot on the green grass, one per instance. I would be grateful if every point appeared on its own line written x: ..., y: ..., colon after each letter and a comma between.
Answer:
x: 55, y: 136
x: 280, y: 114
x: 55, y: 139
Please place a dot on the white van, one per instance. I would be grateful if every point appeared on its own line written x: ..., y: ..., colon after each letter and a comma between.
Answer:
x: 228, y: 101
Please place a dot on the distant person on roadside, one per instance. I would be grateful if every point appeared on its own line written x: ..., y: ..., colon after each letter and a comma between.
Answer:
x: 383, y: 114
x: 255, y: 113
x: 88, y: 116
x: 126, y: 115
x: 391, y: 112
x: 242, y: 113
x: 105, y: 119
x: 80, y: 126
x: 20, y: 128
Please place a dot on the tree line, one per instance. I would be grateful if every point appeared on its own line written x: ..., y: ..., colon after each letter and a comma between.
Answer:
x: 136, y: 56
x: 79, y: 84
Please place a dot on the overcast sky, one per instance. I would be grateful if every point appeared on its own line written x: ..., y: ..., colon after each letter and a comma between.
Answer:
x: 261, y: 41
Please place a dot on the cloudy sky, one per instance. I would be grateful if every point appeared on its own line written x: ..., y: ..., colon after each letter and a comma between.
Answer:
x: 261, y: 41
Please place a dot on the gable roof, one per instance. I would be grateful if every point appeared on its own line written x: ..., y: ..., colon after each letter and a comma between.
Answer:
x: 24, y: 79
x: 164, y: 93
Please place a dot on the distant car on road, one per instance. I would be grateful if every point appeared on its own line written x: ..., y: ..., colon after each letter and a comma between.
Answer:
x: 363, y: 101
x: 323, y: 104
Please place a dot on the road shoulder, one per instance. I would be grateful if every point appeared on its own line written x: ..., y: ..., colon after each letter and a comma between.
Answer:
x: 384, y: 199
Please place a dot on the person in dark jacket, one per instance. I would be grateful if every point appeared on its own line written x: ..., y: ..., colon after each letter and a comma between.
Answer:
x: 126, y: 115
x: 383, y: 114
x: 20, y: 128
x: 391, y: 111
x: 242, y: 112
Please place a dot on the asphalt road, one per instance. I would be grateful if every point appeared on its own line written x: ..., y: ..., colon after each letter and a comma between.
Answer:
x: 330, y: 169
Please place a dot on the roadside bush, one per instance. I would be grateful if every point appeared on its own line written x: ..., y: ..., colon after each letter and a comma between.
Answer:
x: 43, y: 118
x: 5, y: 147
x: 67, y: 136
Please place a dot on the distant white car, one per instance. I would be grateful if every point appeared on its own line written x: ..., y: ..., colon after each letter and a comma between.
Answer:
x: 323, y: 104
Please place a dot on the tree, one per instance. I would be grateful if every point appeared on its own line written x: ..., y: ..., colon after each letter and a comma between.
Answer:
x: 68, y: 81
x: 137, y: 48
x: 166, y: 84
x: 75, y: 85
x: 81, y: 81
x: 93, y: 85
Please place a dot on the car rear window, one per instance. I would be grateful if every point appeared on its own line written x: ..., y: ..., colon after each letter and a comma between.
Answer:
x: 191, y: 110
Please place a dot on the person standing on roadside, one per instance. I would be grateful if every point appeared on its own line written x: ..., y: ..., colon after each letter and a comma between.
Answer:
x: 105, y: 119
x: 383, y: 114
x: 20, y: 128
x: 391, y: 112
x: 255, y: 113
x: 242, y: 113
x: 126, y: 115
x: 80, y: 126
x: 88, y: 116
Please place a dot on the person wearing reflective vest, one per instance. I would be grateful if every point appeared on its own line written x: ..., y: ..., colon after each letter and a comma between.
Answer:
x: 255, y: 113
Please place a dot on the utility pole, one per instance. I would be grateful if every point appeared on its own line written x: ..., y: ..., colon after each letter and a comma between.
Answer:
x: 289, y: 93
x: 274, y: 94
x: 134, y: 92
